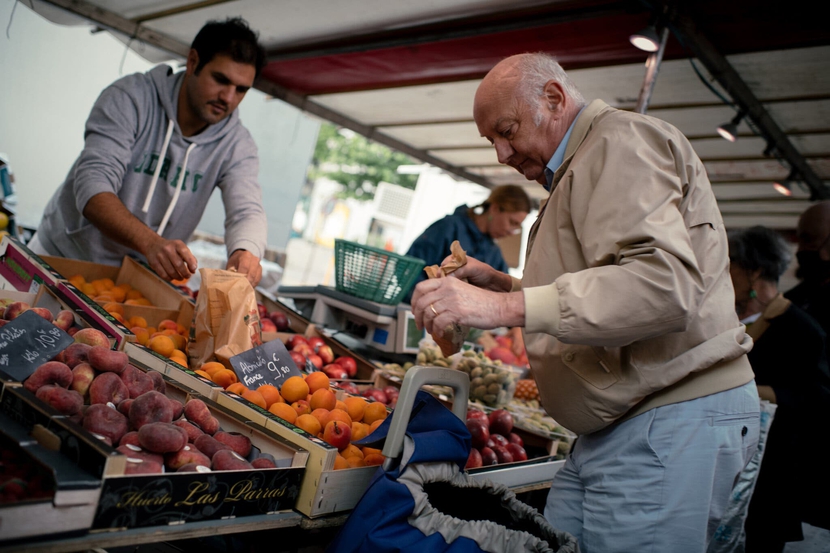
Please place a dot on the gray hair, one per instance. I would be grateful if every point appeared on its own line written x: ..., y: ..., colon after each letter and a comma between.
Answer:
x: 761, y: 248
x: 536, y: 69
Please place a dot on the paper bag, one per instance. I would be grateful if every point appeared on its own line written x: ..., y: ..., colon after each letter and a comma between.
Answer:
x: 226, y: 319
x: 452, y: 337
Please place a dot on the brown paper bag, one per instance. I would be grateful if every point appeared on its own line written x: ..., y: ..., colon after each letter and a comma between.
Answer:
x: 226, y: 319
x: 452, y: 337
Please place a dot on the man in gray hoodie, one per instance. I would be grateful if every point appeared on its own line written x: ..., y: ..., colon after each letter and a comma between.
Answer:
x: 156, y: 144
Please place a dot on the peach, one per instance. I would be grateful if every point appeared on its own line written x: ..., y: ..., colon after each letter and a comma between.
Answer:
x: 43, y: 312
x: 150, y: 407
x: 82, y: 376
x: 192, y: 467
x: 124, y: 407
x: 130, y: 438
x: 64, y: 319
x: 92, y: 337
x: 108, y: 387
x: 209, y: 445
x: 66, y: 402
x: 106, y: 421
x: 184, y: 456
x: 105, y: 360
x: 192, y: 430
x: 142, y: 466
x: 137, y: 381
x: 134, y: 451
x: 238, y: 442
x: 263, y: 463
x: 51, y: 372
x: 178, y: 408
x: 159, y: 384
x: 227, y: 459
x: 15, y: 309
x: 161, y: 437
x: 76, y: 354
x: 198, y: 413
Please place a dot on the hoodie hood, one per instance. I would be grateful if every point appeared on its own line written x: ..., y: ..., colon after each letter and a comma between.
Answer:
x: 168, y: 84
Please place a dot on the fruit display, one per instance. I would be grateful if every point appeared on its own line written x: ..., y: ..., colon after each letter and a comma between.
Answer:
x: 526, y: 390
x: 493, y: 439
x: 128, y: 409
x: 507, y: 348
x: 169, y: 338
x: 491, y: 383
x: 64, y: 319
x: 275, y: 321
x: 21, y: 478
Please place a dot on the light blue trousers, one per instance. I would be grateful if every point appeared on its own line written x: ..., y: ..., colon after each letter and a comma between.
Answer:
x: 659, y: 482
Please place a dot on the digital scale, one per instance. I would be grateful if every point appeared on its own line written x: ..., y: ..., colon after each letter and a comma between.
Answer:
x: 389, y: 328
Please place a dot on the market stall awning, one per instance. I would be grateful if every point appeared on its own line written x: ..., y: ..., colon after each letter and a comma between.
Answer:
x: 404, y: 74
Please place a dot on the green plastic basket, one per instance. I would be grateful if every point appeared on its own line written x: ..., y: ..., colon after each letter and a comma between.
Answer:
x: 372, y: 273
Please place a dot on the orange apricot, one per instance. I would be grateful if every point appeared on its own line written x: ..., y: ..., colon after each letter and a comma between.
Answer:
x: 254, y: 397
x: 212, y: 366
x: 351, y: 450
x: 374, y: 411
x: 374, y: 459
x: 355, y: 406
x: 374, y: 425
x: 141, y: 335
x: 284, y: 411
x: 227, y: 377
x: 77, y: 281
x: 323, y: 398
x: 113, y: 307
x: 294, y: 389
x: 301, y: 407
x: 203, y: 374
x: 168, y: 324
x: 309, y: 423
x: 359, y: 431
x: 317, y: 380
x: 237, y: 388
x: 322, y: 415
x: 271, y: 394
x: 340, y: 415
x: 137, y: 320
x: 162, y: 345
x: 134, y: 294
x: 340, y: 463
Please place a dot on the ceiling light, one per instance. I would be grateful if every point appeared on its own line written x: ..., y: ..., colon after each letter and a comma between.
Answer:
x: 647, y: 39
x: 785, y: 186
x: 730, y: 130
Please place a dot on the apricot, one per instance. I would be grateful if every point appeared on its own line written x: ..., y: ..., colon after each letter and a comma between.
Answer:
x: 77, y: 280
x: 374, y: 411
x: 340, y: 415
x: 139, y: 321
x: 238, y: 442
x: 359, y: 431
x: 105, y: 421
x: 161, y: 437
x: 340, y: 405
x: 225, y: 378
x: 65, y: 402
x: 322, y: 416
x: 113, y: 308
x: 137, y: 381
x: 323, y: 399
x: 374, y: 425
x: 212, y: 366
x: 254, y: 397
x: 108, y: 387
x: 167, y: 324
x: 294, y: 389
x: 283, y: 411
x: 317, y: 380
x: 236, y: 388
x: 309, y: 423
x: 162, y: 345
x: 351, y: 451
x: 88, y: 289
x: 355, y: 406
x: 141, y: 334
x: 355, y: 462
x: 180, y: 357
x: 374, y: 459
x: 105, y: 360
x: 270, y: 393
x: 118, y: 295
x: 51, y: 372
x: 133, y: 294
x: 340, y: 463
x: 150, y: 407
x: 179, y: 341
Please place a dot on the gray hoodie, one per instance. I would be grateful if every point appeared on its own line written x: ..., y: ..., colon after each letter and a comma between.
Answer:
x: 133, y: 125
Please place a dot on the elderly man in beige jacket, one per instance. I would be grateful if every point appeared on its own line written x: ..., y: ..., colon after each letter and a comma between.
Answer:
x: 628, y: 313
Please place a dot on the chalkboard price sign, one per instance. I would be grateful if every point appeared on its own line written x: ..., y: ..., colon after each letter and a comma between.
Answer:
x: 269, y: 363
x: 28, y: 342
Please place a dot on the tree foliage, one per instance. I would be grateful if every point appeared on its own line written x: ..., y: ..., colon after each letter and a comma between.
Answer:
x: 357, y: 163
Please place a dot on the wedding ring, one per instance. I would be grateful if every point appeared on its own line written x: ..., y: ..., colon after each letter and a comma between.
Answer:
x: 433, y: 309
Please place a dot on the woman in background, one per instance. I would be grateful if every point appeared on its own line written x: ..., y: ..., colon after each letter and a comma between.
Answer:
x: 788, y: 359
x: 476, y: 228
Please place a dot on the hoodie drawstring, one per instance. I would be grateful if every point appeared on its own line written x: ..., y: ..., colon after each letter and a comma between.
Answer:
x: 160, y: 162
x: 178, y: 191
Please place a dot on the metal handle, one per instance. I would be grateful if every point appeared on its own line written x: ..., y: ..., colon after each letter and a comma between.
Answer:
x: 415, y: 378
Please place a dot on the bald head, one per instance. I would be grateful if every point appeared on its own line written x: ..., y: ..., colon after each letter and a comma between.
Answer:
x: 524, y: 107
x: 814, y: 227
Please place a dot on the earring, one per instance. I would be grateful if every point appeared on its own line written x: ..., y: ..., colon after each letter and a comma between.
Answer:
x: 753, y: 294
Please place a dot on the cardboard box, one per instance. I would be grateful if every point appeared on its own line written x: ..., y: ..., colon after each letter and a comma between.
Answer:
x: 68, y: 508
x: 169, y: 302
x: 323, y: 490
x: 21, y: 269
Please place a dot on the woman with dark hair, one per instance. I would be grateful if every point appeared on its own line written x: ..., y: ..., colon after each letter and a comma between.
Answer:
x: 788, y: 359
x: 476, y: 228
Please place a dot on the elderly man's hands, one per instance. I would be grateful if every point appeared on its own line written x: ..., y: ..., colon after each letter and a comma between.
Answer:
x: 483, y: 276
x: 439, y: 302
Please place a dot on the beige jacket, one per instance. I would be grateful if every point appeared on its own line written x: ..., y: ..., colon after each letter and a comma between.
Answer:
x: 628, y: 299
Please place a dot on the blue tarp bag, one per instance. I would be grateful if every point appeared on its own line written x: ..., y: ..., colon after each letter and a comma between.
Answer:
x: 424, y: 502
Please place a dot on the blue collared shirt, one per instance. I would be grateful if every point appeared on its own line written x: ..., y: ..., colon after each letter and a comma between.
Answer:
x: 559, y: 154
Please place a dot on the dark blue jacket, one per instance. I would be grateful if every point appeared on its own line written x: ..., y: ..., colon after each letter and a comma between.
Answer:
x: 434, y: 244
